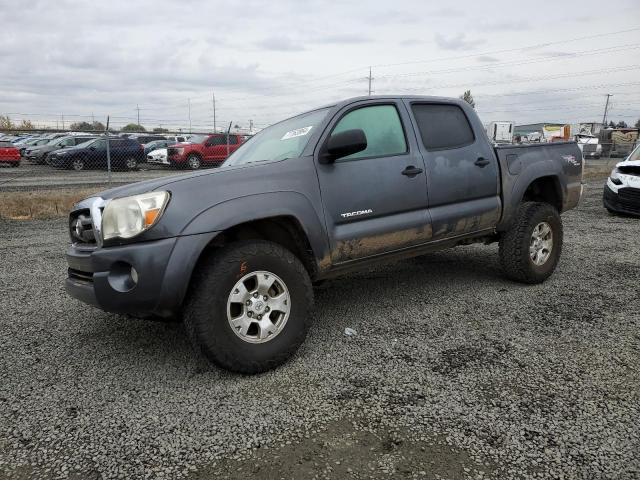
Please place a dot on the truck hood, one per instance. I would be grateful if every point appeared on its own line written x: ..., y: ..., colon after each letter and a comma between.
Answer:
x: 164, y: 183
x: 194, y: 193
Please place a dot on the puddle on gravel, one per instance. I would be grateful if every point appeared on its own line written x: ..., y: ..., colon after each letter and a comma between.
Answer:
x: 342, y: 451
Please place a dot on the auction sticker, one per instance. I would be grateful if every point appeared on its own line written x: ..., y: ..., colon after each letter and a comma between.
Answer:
x: 298, y: 132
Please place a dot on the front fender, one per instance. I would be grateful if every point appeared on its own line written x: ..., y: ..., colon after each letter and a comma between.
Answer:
x: 230, y: 213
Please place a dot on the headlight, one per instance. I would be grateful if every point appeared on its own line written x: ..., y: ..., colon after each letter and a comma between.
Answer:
x: 129, y: 216
x: 616, y: 177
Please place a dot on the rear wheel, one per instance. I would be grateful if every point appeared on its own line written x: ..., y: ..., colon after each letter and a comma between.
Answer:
x: 194, y: 162
x: 260, y: 312
x: 530, y: 249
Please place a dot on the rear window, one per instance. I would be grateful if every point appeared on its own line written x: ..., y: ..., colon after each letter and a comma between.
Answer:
x: 442, y: 126
x: 6, y: 144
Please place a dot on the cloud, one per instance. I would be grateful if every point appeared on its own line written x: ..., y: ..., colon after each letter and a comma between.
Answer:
x: 456, y: 42
x: 281, y: 44
x: 486, y: 59
x: 446, y: 12
x: 342, y: 38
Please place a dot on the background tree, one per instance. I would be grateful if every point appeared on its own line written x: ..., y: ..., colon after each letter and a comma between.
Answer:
x: 6, y: 123
x: 611, y: 124
x: 87, y: 127
x: 160, y: 130
x: 621, y: 124
x: 638, y: 124
x: 467, y: 97
x: 26, y: 125
x: 133, y: 127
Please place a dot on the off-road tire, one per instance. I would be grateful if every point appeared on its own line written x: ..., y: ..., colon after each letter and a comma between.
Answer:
x: 514, y: 243
x: 205, y: 312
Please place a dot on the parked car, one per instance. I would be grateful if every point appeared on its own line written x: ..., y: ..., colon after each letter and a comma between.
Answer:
x: 330, y: 191
x: 39, y: 154
x: 33, y: 142
x: 202, y: 150
x: 9, y: 154
x: 158, y: 156
x: 622, y: 190
x: 144, y: 138
x: 156, y: 144
x: 178, y: 138
x: 125, y: 153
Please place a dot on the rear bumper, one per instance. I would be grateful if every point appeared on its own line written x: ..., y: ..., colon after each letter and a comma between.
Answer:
x: 149, y: 278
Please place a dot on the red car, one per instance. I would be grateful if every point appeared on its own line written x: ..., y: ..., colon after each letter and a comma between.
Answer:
x: 9, y: 154
x: 203, y: 149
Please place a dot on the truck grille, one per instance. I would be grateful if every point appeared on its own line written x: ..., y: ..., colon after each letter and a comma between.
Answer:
x: 589, y: 148
x: 81, y: 227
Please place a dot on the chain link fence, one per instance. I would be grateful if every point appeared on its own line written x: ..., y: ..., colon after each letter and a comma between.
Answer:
x: 43, y: 173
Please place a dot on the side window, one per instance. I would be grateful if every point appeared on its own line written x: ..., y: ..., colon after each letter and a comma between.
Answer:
x: 180, y: 139
x: 381, y: 124
x: 233, y: 140
x: 442, y: 126
x: 218, y: 140
x: 68, y: 142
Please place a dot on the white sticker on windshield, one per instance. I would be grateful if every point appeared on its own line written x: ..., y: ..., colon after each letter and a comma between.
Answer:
x: 298, y: 132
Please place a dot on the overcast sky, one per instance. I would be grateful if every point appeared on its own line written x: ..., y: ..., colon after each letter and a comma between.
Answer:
x: 523, y: 61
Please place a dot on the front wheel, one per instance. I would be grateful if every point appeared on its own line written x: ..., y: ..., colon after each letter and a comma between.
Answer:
x: 259, y: 312
x: 530, y: 249
x: 131, y: 163
x: 78, y: 164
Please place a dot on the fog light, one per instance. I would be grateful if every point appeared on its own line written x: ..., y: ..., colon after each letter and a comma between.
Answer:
x: 122, y: 277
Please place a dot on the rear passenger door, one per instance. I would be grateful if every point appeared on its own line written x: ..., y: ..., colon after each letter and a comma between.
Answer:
x: 375, y: 201
x: 462, y: 171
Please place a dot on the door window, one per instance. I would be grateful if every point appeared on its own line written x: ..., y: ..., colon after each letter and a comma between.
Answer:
x: 215, y: 141
x: 381, y: 125
x: 442, y: 126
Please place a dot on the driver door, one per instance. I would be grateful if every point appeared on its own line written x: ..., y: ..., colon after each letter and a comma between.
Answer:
x: 375, y: 200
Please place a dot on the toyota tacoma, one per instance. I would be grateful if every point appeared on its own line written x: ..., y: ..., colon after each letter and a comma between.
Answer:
x: 235, y: 251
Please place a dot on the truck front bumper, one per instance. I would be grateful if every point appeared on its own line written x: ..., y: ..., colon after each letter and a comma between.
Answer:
x: 148, y: 278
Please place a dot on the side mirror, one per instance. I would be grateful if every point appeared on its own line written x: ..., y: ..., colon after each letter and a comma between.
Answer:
x: 343, y: 144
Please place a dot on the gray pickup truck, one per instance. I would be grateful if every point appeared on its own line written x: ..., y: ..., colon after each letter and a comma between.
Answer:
x: 235, y: 251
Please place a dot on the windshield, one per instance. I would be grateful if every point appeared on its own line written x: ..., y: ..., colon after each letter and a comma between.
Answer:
x: 283, y: 140
x: 635, y: 155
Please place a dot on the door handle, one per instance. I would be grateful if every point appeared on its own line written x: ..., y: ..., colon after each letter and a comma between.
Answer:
x: 482, y: 162
x: 411, y: 171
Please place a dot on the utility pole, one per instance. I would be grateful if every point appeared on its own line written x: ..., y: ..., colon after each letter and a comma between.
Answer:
x: 606, y: 107
x: 189, y: 101
x: 213, y: 98
x: 370, y: 78
x: 138, y: 109
x: 62, y: 115
x: 250, y: 126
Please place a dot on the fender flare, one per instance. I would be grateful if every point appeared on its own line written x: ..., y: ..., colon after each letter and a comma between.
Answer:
x: 236, y: 211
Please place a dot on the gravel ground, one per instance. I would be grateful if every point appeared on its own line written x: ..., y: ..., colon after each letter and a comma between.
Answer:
x: 454, y: 373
